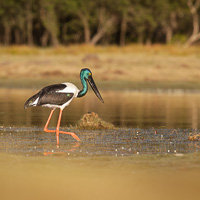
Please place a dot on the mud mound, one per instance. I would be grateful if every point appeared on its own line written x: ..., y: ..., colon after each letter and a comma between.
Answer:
x: 91, y: 120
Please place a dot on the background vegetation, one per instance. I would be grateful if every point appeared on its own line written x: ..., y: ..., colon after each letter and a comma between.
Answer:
x: 54, y: 22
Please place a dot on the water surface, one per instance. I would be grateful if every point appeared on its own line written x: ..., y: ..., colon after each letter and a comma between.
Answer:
x: 149, y: 156
x: 123, y: 109
x: 148, y: 123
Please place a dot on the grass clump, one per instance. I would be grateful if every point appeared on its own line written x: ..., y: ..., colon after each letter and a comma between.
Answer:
x: 92, y: 121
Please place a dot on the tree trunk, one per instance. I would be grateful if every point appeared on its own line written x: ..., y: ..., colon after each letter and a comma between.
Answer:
x: 86, y: 27
x: 102, y: 30
x: 149, y: 38
x: 169, y: 33
x: 7, y: 34
x: 123, y: 30
x: 49, y: 20
x: 140, y: 34
x: 141, y: 38
x: 54, y: 39
x: 17, y: 36
x: 64, y: 34
x: 29, y: 23
x: 195, y: 35
x: 23, y: 35
x: 44, y: 39
x: 148, y: 41
x: 192, y: 39
x: 193, y: 7
x: 173, y: 20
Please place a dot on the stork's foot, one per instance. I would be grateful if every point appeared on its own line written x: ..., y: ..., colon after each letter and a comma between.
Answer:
x: 49, y: 131
x: 72, y: 134
x: 57, y: 134
x: 57, y: 131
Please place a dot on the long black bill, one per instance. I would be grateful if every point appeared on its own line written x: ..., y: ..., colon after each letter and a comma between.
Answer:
x: 94, y: 87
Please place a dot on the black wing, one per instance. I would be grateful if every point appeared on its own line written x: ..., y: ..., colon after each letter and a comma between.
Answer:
x: 50, y: 95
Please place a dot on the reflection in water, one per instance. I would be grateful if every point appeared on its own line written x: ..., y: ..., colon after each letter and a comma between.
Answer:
x: 73, y: 148
x: 123, y: 109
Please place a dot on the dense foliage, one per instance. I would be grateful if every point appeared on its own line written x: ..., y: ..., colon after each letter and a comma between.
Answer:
x: 53, y: 22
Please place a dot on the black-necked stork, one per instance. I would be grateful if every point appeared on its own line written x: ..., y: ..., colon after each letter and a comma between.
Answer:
x: 60, y: 96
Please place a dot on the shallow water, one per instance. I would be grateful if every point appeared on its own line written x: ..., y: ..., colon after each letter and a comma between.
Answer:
x: 149, y: 123
x: 148, y: 157
x: 123, y: 109
x: 120, y: 142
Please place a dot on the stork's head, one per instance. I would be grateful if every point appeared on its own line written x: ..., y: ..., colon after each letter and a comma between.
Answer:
x: 87, y: 75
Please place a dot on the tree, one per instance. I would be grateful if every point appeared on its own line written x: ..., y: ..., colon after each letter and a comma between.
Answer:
x: 123, y: 8
x: 49, y: 21
x: 29, y: 19
x: 194, y: 8
x: 95, y: 16
x: 143, y: 22
x: 9, y: 17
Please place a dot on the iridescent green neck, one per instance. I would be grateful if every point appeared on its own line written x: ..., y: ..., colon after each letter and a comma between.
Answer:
x: 85, y: 87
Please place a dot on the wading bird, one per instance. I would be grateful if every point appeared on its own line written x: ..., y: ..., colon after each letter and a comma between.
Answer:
x: 60, y: 96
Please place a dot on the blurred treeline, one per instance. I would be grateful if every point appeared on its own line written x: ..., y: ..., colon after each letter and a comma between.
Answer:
x: 54, y: 22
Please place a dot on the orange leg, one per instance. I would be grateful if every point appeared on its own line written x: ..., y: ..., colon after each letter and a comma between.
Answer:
x: 69, y: 133
x: 46, y: 125
x: 57, y: 128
